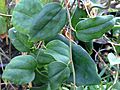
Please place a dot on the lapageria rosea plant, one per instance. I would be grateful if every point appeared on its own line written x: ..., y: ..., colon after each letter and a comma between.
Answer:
x: 53, y: 59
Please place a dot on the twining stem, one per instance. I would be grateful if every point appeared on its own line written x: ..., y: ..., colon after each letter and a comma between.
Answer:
x: 115, y: 80
x: 3, y: 54
x: 101, y: 7
x: 72, y: 5
x: 5, y: 15
x: 84, y: 2
x: 70, y: 44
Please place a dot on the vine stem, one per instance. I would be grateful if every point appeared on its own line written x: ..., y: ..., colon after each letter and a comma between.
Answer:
x: 102, y: 7
x: 72, y: 5
x: 70, y: 45
x: 3, y: 54
x: 5, y: 15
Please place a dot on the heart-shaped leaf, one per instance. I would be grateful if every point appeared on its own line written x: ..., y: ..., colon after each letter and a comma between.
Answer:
x: 50, y: 21
x: 85, y: 67
x: 41, y: 76
x: 57, y: 73
x: 39, y: 23
x: 113, y: 59
x: 93, y: 28
x: 20, y: 70
x: 59, y: 50
x: 42, y: 57
x: 20, y: 41
x: 24, y: 14
x: 3, y: 25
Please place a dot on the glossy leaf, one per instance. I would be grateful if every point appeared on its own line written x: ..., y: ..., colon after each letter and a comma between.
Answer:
x: 113, y: 59
x: 24, y: 15
x: 3, y: 25
x: 57, y: 73
x: 41, y: 77
x: 43, y: 87
x: 88, y: 46
x: 19, y: 40
x: 117, y: 47
x: 78, y: 15
x: 85, y: 67
x: 50, y: 21
x: 59, y: 50
x: 20, y: 70
x: 116, y: 86
x: 93, y: 28
x: 42, y: 57
x: 43, y: 23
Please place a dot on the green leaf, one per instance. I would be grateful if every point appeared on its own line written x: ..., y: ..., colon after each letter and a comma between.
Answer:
x: 20, y: 41
x: 50, y: 21
x: 41, y: 77
x: 80, y: 88
x: 96, y: 1
x: 88, y: 46
x: 20, y: 70
x: 117, y: 47
x: 43, y: 87
x: 78, y: 15
x: 85, y: 67
x: 57, y: 73
x: 59, y: 50
x: 95, y: 87
x: 93, y: 28
x: 42, y: 57
x: 113, y: 59
x: 46, y: 1
x: 39, y: 88
x: 38, y: 23
x: 3, y: 5
x: 3, y: 28
x: 116, y: 86
x: 24, y: 15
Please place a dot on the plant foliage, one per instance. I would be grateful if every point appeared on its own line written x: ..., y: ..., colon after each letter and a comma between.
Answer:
x: 52, y: 54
